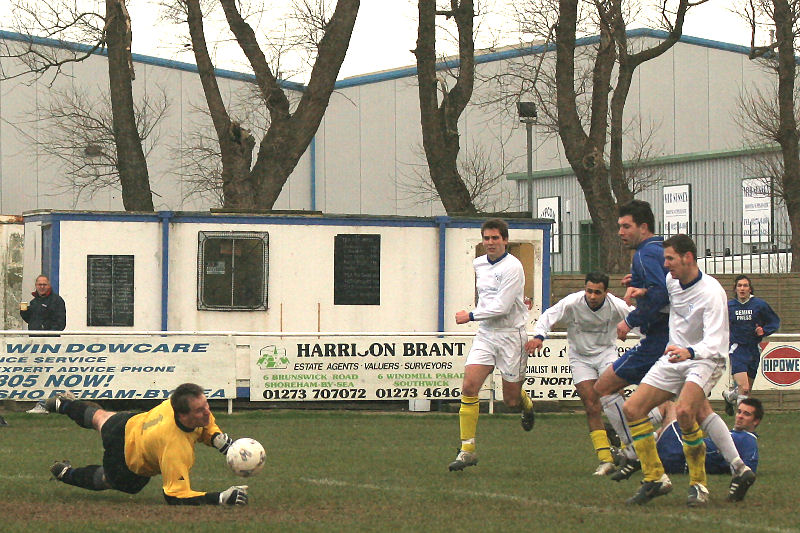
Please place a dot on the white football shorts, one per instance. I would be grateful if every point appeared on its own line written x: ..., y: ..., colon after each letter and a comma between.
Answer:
x: 670, y: 377
x: 503, y: 349
x: 586, y: 367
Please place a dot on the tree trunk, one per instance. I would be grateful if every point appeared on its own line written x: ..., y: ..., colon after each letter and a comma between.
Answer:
x: 131, y: 162
x: 235, y: 143
x: 604, y: 185
x: 290, y: 134
x: 585, y: 152
x: 440, y: 137
x: 787, y: 131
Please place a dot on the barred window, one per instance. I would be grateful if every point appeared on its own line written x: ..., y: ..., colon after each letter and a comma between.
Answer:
x: 232, y: 270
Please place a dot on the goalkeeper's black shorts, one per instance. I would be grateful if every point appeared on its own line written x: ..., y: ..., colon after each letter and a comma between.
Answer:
x: 117, y: 473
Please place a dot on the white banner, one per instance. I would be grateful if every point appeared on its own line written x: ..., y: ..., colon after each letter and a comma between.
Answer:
x: 756, y: 211
x: 550, y: 207
x: 112, y: 368
x: 299, y: 368
x: 359, y: 368
x: 677, y: 209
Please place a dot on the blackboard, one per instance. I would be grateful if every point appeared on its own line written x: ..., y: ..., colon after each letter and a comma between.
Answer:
x: 357, y: 269
x: 109, y: 290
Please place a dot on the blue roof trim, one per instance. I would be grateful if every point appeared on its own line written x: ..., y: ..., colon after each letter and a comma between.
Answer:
x: 532, y: 49
x: 277, y: 219
x: 112, y: 217
x: 140, y: 58
x: 366, y: 79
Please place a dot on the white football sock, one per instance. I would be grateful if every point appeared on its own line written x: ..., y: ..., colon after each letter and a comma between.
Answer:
x: 612, y: 407
x: 714, y: 427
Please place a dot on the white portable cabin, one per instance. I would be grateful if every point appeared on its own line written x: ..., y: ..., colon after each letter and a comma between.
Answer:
x: 192, y: 271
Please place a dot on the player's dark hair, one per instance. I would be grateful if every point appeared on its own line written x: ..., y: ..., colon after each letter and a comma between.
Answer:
x: 181, y: 395
x: 597, y: 277
x: 640, y: 212
x: 755, y: 403
x: 496, y: 223
x: 682, y: 244
x: 739, y: 278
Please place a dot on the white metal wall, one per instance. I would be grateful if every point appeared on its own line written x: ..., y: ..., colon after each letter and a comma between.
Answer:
x: 29, y: 181
x: 370, y: 140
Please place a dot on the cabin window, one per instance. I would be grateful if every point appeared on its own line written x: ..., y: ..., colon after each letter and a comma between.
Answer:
x: 232, y: 270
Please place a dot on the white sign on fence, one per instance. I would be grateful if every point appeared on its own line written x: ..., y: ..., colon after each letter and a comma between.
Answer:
x: 360, y: 368
x: 677, y: 209
x: 298, y: 368
x: 756, y: 211
x: 550, y: 207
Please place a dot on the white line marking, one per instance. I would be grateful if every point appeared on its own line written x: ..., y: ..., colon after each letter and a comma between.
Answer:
x: 538, y: 501
x: 21, y: 476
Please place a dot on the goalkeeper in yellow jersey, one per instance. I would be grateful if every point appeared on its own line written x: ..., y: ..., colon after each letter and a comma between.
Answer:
x: 140, y: 446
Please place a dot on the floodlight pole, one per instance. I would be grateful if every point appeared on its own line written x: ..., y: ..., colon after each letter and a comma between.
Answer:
x: 527, y: 115
x: 529, y: 128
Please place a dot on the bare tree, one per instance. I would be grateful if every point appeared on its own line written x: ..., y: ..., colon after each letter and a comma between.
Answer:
x: 603, y: 183
x: 773, y: 117
x: 439, y: 116
x: 581, y: 94
x: 200, y: 164
x: 76, y: 133
x: 63, y: 19
x: 256, y: 185
x: 481, y: 168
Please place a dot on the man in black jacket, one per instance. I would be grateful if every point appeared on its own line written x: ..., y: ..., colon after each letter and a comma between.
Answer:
x: 46, y: 312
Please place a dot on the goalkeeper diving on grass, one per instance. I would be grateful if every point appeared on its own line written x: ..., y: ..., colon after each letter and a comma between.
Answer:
x: 140, y: 446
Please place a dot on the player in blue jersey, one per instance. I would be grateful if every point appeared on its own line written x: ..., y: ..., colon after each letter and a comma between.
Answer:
x: 647, y: 284
x: 670, y: 446
x: 751, y: 319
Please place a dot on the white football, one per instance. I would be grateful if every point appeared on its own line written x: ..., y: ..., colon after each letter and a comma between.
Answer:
x: 246, y: 457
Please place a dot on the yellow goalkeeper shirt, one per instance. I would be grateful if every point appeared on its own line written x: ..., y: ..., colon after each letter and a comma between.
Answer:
x: 155, y: 443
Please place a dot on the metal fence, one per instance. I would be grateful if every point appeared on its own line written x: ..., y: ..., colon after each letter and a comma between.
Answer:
x: 722, y: 248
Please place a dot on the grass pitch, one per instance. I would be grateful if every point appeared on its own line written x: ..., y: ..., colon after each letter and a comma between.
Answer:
x: 361, y: 471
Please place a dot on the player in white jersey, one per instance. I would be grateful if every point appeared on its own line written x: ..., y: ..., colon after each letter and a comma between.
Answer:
x: 692, y: 364
x: 500, y: 340
x: 591, y: 317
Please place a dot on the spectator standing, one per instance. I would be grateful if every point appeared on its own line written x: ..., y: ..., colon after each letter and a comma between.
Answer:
x: 46, y: 312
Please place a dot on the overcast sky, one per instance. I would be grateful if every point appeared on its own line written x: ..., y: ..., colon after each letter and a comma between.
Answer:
x: 385, y: 31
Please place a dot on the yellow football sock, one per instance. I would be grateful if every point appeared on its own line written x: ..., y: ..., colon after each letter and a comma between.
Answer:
x: 645, y: 445
x: 468, y: 420
x: 694, y: 448
x: 525, y: 401
x: 601, y: 445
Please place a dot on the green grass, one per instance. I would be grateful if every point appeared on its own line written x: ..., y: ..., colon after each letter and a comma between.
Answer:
x: 360, y: 471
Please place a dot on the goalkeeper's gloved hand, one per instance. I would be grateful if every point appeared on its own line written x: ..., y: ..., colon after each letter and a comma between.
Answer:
x: 236, y: 495
x: 221, y: 441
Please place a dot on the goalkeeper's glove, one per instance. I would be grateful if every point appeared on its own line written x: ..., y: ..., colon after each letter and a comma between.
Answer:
x: 236, y: 495
x: 221, y: 441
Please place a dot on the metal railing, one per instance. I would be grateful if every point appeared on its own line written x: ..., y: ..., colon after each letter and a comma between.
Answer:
x: 722, y: 248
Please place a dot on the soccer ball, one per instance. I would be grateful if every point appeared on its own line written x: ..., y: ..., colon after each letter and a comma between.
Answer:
x: 246, y: 457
